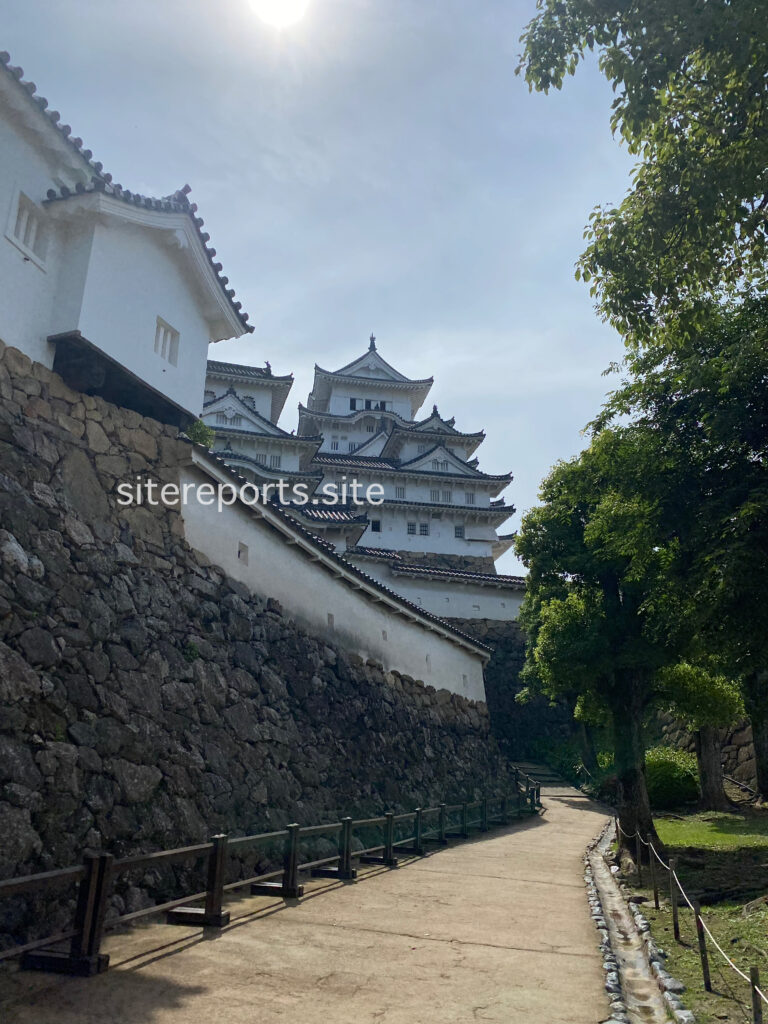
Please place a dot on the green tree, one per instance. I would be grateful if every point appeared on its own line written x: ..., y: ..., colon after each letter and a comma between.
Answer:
x: 599, y: 614
x: 692, y: 104
x: 707, y: 699
x: 706, y: 403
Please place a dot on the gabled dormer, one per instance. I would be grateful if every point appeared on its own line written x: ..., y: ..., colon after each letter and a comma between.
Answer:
x: 368, y: 383
x: 374, y: 446
x: 371, y: 365
x: 231, y: 411
x: 438, y: 459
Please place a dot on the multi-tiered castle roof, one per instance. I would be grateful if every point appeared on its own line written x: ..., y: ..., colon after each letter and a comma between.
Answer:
x: 437, y: 523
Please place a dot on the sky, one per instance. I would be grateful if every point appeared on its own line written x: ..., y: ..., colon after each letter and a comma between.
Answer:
x: 377, y: 167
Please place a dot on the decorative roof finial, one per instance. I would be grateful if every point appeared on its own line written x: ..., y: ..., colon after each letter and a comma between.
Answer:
x: 268, y: 368
x: 372, y: 346
x: 434, y: 410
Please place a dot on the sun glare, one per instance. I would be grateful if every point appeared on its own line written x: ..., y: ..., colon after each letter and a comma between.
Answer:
x: 280, y: 13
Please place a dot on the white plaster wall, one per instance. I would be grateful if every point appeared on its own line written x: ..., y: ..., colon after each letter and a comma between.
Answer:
x: 27, y: 290
x: 134, y: 277
x: 477, y: 542
x: 258, y: 445
x: 416, y: 489
x: 310, y: 593
x: 450, y: 600
x: 377, y: 390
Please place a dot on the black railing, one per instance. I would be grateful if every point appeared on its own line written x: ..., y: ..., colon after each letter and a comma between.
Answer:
x: 94, y: 878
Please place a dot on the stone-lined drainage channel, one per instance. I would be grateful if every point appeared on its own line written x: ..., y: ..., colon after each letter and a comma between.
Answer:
x: 632, y: 989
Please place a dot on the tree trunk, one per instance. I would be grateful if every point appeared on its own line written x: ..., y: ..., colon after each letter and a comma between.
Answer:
x: 708, y: 756
x: 760, y: 737
x: 756, y: 702
x: 629, y: 752
x: 587, y: 748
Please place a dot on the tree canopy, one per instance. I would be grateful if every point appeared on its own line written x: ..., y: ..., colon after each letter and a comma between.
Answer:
x: 692, y: 103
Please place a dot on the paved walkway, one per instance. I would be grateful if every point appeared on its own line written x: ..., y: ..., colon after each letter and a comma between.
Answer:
x: 492, y: 929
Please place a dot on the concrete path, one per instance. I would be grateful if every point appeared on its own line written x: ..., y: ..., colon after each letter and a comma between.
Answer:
x: 492, y: 929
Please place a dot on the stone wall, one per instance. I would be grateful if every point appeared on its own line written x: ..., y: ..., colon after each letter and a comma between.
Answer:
x: 737, y: 750
x: 146, y: 699
x: 522, y: 730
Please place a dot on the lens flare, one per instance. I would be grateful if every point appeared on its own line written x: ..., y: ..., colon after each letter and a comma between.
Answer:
x: 280, y: 13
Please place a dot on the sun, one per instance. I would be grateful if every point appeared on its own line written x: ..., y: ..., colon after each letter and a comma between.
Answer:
x: 280, y: 13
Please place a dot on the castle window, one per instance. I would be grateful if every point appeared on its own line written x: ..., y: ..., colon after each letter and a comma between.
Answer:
x: 421, y: 449
x: 167, y: 342
x: 221, y: 417
x: 274, y: 461
x: 399, y: 492
x: 424, y: 529
x: 412, y: 529
x: 375, y: 526
x: 447, y: 497
x: 334, y: 446
x: 434, y: 495
x: 352, y: 446
x: 27, y: 229
x: 236, y: 421
x: 435, y: 464
x: 469, y: 497
x: 458, y: 531
x: 353, y: 404
x: 370, y: 427
x: 261, y: 458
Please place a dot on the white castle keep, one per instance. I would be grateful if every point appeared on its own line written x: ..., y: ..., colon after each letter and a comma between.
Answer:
x: 434, y: 537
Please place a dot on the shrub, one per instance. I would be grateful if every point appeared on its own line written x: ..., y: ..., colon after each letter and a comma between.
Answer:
x: 671, y: 776
x: 201, y: 433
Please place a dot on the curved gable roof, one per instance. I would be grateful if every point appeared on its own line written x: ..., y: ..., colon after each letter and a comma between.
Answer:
x: 93, y: 178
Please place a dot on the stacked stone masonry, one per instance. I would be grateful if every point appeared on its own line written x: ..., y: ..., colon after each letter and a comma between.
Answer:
x: 738, y: 751
x: 146, y: 700
x: 522, y: 730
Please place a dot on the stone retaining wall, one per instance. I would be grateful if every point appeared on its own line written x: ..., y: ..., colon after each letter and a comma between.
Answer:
x: 147, y: 700
x: 738, y: 750
x: 521, y: 729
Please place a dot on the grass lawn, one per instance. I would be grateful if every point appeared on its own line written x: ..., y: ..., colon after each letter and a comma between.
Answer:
x: 723, y: 862
x: 745, y: 940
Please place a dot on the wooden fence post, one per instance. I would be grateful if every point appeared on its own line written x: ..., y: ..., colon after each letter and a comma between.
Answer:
x: 673, y: 898
x: 638, y: 855
x: 702, y: 945
x: 654, y: 883
x: 291, y: 887
x: 757, y: 1003
x: 346, y: 871
x: 441, y: 822
x: 389, y: 839
x: 211, y: 914
x: 83, y: 958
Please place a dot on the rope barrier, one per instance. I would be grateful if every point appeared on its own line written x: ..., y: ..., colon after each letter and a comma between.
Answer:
x: 658, y: 858
x: 698, y: 917
x: 718, y: 947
